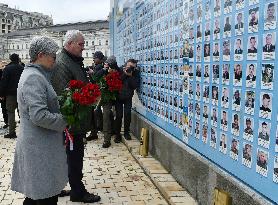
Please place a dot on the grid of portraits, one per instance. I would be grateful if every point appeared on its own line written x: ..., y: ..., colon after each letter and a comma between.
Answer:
x: 231, y: 79
x: 208, y: 68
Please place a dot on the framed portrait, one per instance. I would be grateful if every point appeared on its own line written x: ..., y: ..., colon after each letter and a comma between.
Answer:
x: 264, y: 133
x: 226, y: 51
x: 239, y: 25
x: 205, y: 113
x: 276, y: 140
x: 265, y: 105
x: 198, y: 72
x: 207, y: 10
x: 248, y: 133
x: 217, y: 8
x: 214, y: 95
x: 199, y: 13
x: 247, y: 154
x: 251, y: 75
x: 216, y: 52
x: 224, y: 120
x: 227, y: 6
x: 253, y: 20
x: 236, y: 99
x: 223, y: 143
x: 214, y: 116
x: 269, y: 46
x: 215, y: 73
x: 213, y: 137
x: 206, y: 73
x: 249, y: 102
x: 234, y: 149
x: 207, y: 52
x: 239, y: 4
x: 267, y: 76
x: 206, y: 93
x: 197, y: 129
x: 199, y: 53
x: 216, y: 30
x: 275, y: 169
x: 205, y: 133
x: 237, y: 74
x: 252, y: 51
x: 227, y: 27
x: 253, y: 2
x: 197, y: 111
x: 207, y: 31
x: 226, y: 74
x: 235, y: 124
x: 262, y: 162
x: 270, y: 15
x: 238, y: 54
x: 225, y: 97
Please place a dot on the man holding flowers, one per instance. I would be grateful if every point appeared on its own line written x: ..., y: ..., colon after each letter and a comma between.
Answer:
x: 69, y: 66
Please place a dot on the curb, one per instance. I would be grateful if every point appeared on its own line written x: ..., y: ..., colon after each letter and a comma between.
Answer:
x: 173, y: 193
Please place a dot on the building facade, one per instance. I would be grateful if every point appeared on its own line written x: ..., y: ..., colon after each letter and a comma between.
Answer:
x: 96, y: 39
x: 13, y: 19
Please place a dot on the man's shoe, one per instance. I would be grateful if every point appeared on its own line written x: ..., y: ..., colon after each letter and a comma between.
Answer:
x: 106, y: 144
x: 118, y: 139
x: 64, y: 193
x: 10, y: 136
x: 127, y: 136
x: 92, y: 137
x: 87, y: 198
x: 5, y: 126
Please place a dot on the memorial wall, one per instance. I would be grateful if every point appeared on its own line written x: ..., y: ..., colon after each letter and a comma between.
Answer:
x: 208, y: 71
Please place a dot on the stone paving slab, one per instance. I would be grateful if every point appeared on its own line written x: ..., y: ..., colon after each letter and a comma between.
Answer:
x: 112, y: 173
x: 165, y: 182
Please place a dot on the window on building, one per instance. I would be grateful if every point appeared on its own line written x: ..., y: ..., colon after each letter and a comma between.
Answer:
x: 3, y: 26
x: 86, y: 43
x: 93, y: 43
x: 87, y: 55
x: 106, y: 43
x: 3, y: 31
x: 13, y: 46
x: 9, y: 27
x: 99, y: 42
x: 26, y: 45
x: 9, y: 21
x: 22, y: 46
x: 26, y: 56
x: 17, y: 46
x: 3, y: 20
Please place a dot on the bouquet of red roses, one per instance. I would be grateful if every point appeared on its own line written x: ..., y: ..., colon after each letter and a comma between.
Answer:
x: 110, y: 86
x: 77, y: 100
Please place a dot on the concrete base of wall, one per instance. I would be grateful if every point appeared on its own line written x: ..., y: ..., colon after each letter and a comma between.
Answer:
x: 194, y: 172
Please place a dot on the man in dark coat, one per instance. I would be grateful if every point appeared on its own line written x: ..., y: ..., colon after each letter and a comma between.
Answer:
x: 8, y: 88
x: 3, y: 106
x: 69, y: 66
x: 131, y: 81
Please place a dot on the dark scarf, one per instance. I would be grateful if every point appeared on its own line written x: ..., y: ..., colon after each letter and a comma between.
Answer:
x: 76, y: 59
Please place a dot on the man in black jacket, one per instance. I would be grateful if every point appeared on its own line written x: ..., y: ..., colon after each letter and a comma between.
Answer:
x: 8, y: 89
x: 131, y: 81
x: 3, y: 106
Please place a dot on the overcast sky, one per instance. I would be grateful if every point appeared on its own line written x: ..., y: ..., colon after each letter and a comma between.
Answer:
x: 65, y: 11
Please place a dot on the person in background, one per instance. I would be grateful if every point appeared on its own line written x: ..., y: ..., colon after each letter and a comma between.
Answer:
x: 69, y: 66
x: 97, y: 120
x: 3, y: 105
x: 40, y: 166
x: 8, y: 89
x: 131, y: 81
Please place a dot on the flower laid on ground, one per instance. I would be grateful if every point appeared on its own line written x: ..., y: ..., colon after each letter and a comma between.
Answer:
x: 77, y: 100
x: 110, y: 86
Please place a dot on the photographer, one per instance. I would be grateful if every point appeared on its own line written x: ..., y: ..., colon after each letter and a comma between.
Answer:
x: 131, y: 81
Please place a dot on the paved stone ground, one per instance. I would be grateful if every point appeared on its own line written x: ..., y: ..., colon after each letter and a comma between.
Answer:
x: 112, y: 173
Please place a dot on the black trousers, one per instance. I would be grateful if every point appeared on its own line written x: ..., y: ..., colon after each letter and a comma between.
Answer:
x: 98, y: 117
x: 4, y: 111
x: 75, y: 165
x: 123, y: 108
x: 48, y: 201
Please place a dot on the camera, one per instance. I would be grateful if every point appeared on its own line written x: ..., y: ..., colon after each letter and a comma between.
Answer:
x: 130, y: 69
